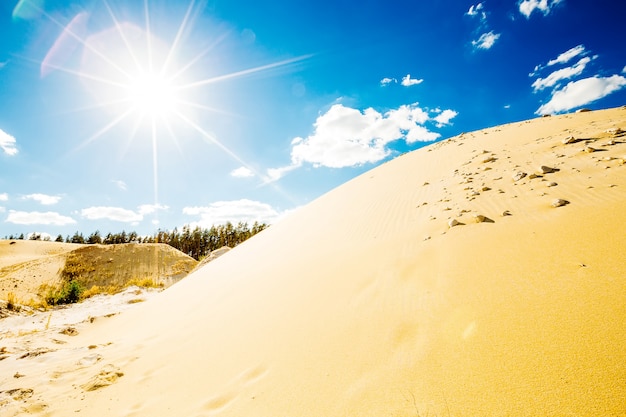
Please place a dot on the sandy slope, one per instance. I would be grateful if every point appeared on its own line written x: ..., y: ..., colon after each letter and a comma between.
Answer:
x: 366, y: 302
x: 25, y: 265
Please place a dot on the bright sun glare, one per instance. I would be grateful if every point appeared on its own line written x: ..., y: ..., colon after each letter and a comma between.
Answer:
x: 140, y: 77
x: 152, y: 95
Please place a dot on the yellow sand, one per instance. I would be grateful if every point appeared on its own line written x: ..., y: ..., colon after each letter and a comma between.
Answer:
x: 366, y: 303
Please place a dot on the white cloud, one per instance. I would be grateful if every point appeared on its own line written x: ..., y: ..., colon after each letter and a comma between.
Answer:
x: 7, y: 143
x: 235, y: 211
x: 347, y: 137
x: 36, y: 217
x: 567, y: 55
x: 527, y: 7
x: 242, y: 172
x: 4, y: 197
x: 111, y: 213
x: 386, y: 81
x: 120, y: 184
x: 581, y: 92
x: 486, y: 40
x: 561, y: 74
x: 46, y: 200
x: 150, y: 208
x: 507, y: 106
x: 624, y: 70
x: 407, y: 81
x: 477, y: 10
x: 444, y: 117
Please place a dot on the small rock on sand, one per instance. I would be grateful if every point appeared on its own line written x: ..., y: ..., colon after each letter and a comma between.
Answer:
x: 559, y: 202
x: 551, y: 184
x: 589, y: 149
x: 547, y: 170
x: 453, y: 222
x: 569, y: 139
x: 518, y: 175
x: 479, y: 218
x: 615, y: 131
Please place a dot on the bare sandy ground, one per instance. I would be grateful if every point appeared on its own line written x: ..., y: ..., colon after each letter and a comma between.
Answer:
x: 484, y: 275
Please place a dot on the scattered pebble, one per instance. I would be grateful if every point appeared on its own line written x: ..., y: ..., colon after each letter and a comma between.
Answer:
x: 589, y: 149
x: 547, y: 170
x: 479, y: 218
x: 453, y: 222
x: 488, y: 159
x: 506, y: 213
x: 518, y: 175
x: 551, y: 184
x: 559, y: 202
x: 569, y: 139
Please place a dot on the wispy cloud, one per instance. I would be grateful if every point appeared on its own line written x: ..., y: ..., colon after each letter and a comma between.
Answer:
x: 581, y: 92
x: 486, y: 40
x: 386, y: 81
x: 35, y: 217
x: 234, y: 211
x: 348, y: 137
x: 407, y: 81
x: 121, y: 185
x: 561, y: 74
x: 4, y: 197
x: 150, y: 208
x: 7, y: 143
x: 111, y: 213
x: 527, y: 7
x: 242, y: 172
x: 120, y: 214
x: 566, y: 56
x: 44, y: 199
x: 477, y: 10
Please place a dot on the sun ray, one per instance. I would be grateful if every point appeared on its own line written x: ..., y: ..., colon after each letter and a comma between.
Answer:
x: 199, y: 56
x: 242, y: 73
x: 85, y: 75
x: 178, y: 36
x: 123, y: 36
x: 105, y: 129
x: 149, y: 34
x: 203, y: 107
x: 155, y: 163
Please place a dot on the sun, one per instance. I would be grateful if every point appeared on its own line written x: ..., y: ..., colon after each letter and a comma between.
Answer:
x: 152, y: 95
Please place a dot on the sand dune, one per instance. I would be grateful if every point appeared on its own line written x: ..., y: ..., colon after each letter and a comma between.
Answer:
x: 447, y: 282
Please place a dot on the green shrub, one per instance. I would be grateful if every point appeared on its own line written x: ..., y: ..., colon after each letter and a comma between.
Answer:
x: 68, y: 294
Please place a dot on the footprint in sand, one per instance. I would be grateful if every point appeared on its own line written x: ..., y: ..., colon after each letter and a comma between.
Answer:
x: 107, y: 376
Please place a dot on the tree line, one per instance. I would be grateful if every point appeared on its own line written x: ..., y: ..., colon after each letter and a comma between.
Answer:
x: 197, y: 242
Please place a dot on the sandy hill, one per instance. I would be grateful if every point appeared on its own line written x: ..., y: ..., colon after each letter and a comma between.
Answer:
x: 27, y: 267
x: 481, y: 276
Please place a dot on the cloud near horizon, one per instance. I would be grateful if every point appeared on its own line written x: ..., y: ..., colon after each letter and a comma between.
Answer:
x: 7, y: 143
x: 348, y: 137
x: 242, y: 172
x: 35, y: 217
x: 581, y: 92
x: 43, y: 199
x: 527, y: 7
x: 406, y: 81
x: 234, y: 211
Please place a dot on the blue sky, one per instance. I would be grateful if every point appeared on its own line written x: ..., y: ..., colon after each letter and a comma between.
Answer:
x: 152, y: 114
